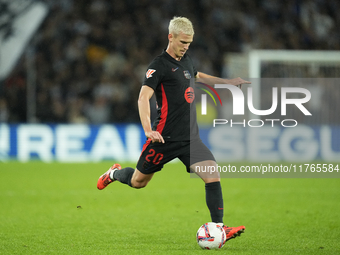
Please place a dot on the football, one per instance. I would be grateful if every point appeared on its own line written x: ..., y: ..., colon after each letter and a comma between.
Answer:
x: 211, y: 236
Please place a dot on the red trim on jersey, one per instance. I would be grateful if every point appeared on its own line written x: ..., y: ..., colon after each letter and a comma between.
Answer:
x: 146, y: 144
x: 164, y: 111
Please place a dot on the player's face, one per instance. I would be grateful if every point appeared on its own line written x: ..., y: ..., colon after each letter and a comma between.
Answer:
x: 180, y: 44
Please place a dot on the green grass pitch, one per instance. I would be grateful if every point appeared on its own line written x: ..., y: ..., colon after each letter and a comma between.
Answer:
x: 56, y: 209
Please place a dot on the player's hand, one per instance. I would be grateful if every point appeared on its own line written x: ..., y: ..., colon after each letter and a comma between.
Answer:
x: 155, y: 137
x: 238, y: 81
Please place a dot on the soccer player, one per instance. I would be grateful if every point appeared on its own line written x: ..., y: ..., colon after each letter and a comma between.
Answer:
x: 175, y: 131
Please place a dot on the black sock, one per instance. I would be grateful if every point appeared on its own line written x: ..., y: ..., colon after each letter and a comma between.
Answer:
x: 214, y: 199
x: 124, y: 175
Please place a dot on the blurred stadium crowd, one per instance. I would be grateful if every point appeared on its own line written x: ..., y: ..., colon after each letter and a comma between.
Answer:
x: 91, y: 55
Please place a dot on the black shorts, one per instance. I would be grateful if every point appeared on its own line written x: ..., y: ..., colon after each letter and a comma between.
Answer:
x: 155, y: 155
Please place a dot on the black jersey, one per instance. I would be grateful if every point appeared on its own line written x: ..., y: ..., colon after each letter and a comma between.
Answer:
x: 171, y: 79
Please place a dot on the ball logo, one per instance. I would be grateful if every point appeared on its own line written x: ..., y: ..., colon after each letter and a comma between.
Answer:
x: 189, y: 95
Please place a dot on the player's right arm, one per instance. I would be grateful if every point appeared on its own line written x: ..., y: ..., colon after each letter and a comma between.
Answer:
x: 144, y: 114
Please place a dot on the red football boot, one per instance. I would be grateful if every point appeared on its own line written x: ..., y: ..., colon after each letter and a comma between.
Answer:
x: 105, y: 179
x: 233, y: 232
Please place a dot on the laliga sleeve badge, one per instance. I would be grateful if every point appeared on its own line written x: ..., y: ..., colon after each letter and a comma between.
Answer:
x: 149, y: 73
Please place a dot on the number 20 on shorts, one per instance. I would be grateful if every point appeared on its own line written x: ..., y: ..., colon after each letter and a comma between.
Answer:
x: 155, y: 158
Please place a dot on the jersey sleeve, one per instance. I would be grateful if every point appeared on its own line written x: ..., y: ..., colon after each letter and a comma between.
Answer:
x: 195, y: 71
x: 154, y: 74
x: 192, y: 63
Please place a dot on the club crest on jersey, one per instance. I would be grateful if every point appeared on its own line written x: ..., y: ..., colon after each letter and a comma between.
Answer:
x: 149, y: 73
x: 187, y: 74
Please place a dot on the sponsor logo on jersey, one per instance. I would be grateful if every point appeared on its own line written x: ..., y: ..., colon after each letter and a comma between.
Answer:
x: 174, y: 69
x: 189, y: 95
x: 187, y: 74
x: 149, y: 73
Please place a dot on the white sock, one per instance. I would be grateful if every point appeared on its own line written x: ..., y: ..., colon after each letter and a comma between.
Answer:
x: 111, y: 175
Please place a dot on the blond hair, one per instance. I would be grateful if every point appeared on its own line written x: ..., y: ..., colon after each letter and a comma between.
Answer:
x: 181, y: 24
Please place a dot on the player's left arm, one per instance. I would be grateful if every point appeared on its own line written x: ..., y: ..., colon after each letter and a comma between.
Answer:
x: 206, y: 78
